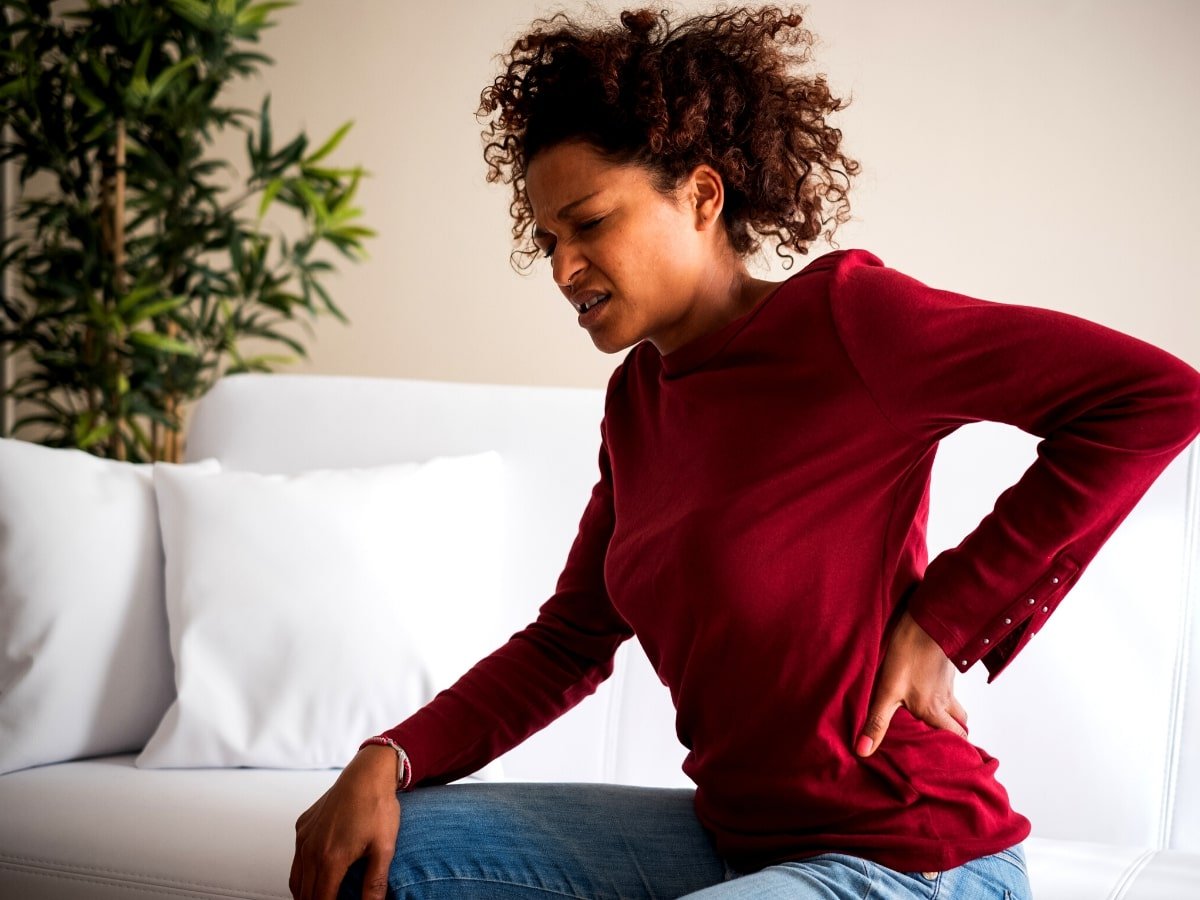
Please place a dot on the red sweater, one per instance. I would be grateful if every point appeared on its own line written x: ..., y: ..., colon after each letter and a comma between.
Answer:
x: 759, y: 523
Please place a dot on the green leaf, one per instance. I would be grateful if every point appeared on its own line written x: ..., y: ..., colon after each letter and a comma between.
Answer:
x: 271, y: 335
x: 151, y: 310
x: 330, y: 144
x: 97, y: 66
x: 84, y: 423
x: 241, y: 60
x: 163, y: 81
x: 252, y: 153
x: 161, y: 342
x: 143, y: 61
x: 259, y: 362
x: 329, y: 304
x: 269, y: 194
x: 341, y: 214
x: 139, y: 89
x: 353, y: 231
x: 14, y: 87
x: 331, y: 174
x: 194, y: 11
x: 136, y: 296
x: 95, y: 436
x: 256, y: 15
x: 318, y: 206
x: 99, y: 129
x: 264, y: 134
x: 291, y: 153
x: 94, y: 103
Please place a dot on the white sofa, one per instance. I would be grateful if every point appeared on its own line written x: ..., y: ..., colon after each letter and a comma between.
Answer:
x: 1096, y: 727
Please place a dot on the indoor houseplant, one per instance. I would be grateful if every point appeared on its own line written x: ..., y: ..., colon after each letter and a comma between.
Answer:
x: 136, y: 276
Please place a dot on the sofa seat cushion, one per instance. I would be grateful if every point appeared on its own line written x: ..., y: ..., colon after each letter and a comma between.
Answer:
x: 1084, y: 870
x: 102, y: 828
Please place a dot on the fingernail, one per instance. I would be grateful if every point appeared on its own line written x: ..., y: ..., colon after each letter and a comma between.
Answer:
x: 864, y: 745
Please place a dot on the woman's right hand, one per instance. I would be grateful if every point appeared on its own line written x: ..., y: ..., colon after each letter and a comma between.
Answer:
x: 358, y: 816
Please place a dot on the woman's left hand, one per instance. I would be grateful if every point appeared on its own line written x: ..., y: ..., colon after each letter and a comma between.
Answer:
x: 917, y: 675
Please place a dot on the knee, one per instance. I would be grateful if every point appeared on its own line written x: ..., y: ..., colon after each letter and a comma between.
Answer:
x: 446, y: 830
x: 450, y: 837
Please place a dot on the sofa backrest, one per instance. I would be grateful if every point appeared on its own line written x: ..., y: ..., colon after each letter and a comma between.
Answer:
x: 1096, y: 725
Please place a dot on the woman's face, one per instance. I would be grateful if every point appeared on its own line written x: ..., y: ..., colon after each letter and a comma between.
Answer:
x: 608, y: 230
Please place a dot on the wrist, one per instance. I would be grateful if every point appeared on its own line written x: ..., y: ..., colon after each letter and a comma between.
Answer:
x: 389, y: 756
x: 376, y: 766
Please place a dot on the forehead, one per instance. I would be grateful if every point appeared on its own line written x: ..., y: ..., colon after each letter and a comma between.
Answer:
x: 561, y: 175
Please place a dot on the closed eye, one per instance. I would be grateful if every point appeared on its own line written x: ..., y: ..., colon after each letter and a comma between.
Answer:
x: 586, y: 226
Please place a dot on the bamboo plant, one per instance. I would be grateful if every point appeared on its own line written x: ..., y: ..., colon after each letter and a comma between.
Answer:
x: 137, y: 275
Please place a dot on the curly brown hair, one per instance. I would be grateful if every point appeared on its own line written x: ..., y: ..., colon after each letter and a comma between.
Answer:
x: 717, y: 89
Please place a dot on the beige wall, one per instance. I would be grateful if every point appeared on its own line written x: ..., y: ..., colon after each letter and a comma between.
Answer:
x: 1031, y: 151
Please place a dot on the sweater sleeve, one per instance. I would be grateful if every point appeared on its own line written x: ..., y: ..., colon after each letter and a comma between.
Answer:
x: 539, y: 673
x: 1112, y: 412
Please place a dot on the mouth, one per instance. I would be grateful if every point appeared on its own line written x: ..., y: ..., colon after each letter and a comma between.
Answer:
x: 590, y: 310
x: 585, y: 305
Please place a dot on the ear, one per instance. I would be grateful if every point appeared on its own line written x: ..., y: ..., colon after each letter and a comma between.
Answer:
x: 706, y: 196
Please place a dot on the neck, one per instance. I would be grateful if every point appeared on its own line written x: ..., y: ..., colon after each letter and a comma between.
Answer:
x: 724, y: 294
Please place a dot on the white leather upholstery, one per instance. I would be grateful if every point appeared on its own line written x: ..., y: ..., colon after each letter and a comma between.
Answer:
x: 103, y: 828
x: 1096, y: 725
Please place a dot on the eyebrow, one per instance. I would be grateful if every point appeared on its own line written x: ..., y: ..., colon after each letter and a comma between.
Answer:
x: 537, y: 231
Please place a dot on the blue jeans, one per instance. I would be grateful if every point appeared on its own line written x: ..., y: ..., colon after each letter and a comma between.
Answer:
x: 525, y: 840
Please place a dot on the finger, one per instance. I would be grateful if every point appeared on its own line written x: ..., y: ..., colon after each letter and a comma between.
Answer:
x: 375, y: 881
x: 329, y: 879
x: 294, y: 874
x: 308, y: 878
x: 878, y: 719
x: 959, y: 712
x: 947, y: 721
x: 296, y: 880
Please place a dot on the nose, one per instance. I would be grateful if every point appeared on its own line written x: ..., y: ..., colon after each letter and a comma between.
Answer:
x: 566, y: 266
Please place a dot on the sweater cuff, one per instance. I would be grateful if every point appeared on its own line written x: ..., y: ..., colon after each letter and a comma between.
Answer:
x: 997, y: 638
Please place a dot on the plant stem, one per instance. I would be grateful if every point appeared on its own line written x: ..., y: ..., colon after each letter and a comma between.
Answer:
x: 116, y: 446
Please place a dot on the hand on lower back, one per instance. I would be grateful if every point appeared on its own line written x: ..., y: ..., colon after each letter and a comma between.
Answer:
x: 358, y: 816
x: 915, y: 673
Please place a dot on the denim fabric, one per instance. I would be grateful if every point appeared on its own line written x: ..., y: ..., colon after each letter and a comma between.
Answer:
x: 510, y: 840
x: 839, y: 876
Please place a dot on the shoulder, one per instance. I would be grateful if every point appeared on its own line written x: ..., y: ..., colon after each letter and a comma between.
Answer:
x: 865, y: 293
x: 841, y: 262
x: 853, y: 271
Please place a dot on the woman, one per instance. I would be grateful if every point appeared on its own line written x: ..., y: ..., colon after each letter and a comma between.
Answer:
x: 759, y: 519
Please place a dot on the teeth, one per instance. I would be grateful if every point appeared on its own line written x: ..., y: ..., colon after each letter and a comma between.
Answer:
x: 585, y: 307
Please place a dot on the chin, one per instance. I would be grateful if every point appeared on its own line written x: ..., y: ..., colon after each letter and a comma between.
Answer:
x: 606, y: 344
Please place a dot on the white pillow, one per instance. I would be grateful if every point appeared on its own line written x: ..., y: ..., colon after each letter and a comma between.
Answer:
x: 85, y: 664
x: 308, y: 612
